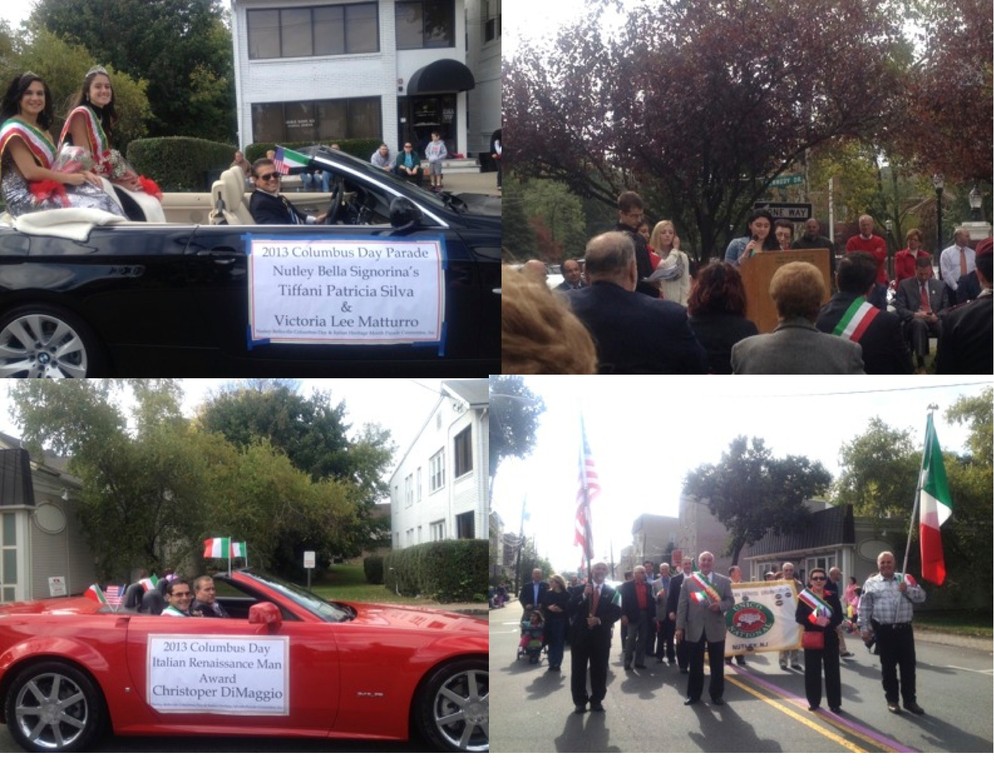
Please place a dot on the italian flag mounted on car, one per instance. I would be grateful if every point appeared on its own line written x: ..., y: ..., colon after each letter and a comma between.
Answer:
x: 287, y: 160
x: 225, y: 549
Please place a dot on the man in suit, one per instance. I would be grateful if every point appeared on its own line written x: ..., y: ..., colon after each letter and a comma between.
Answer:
x: 633, y: 333
x: 850, y: 315
x: 595, y: 608
x: 672, y: 603
x: 966, y: 342
x: 919, y: 301
x: 205, y: 600
x: 630, y: 214
x: 705, y: 596
x: 267, y: 205
x: 638, y: 613
x: 796, y: 345
x: 572, y: 276
x: 532, y: 593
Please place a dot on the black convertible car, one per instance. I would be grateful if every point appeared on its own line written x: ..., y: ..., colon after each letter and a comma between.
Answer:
x: 397, y: 282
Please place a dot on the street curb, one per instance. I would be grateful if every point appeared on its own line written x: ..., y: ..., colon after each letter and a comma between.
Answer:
x: 955, y: 641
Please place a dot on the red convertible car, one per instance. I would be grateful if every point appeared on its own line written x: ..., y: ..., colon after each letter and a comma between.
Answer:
x: 285, y: 664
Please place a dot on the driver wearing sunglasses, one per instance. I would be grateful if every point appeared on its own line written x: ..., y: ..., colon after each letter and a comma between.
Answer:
x: 267, y: 205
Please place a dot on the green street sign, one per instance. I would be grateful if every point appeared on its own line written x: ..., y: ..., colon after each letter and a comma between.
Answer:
x: 787, y: 181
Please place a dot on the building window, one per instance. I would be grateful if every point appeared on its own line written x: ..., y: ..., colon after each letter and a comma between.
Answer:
x: 438, y: 530
x: 491, y: 20
x: 463, y: 449
x: 315, y: 121
x: 408, y: 490
x: 464, y: 526
x: 426, y: 24
x: 419, y: 483
x: 436, y: 471
x: 8, y: 558
x: 324, y: 30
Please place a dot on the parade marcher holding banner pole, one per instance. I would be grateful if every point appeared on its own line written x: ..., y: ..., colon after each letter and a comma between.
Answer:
x: 819, y: 612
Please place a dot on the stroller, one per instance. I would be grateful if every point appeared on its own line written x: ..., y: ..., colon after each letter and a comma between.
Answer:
x: 532, y: 637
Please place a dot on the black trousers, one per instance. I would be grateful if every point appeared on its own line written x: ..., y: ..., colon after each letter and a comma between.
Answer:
x: 813, y: 662
x: 664, y: 640
x: 896, y: 645
x: 716, y: 663
x: 589, y: 649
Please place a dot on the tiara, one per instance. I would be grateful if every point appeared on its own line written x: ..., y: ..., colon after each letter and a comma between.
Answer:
x: 97, y: 70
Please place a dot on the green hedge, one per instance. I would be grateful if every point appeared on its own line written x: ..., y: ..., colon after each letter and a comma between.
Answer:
x: 372, y: 566
x: 447, y: 571
x: 361, y: 148
x: 180, y: 163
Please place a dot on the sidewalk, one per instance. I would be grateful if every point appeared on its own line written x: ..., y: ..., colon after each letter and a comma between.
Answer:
x: 954, y: 641
x: 473, y: 183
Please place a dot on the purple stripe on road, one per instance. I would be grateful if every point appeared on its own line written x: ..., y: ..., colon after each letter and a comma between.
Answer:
x: 853, y: 724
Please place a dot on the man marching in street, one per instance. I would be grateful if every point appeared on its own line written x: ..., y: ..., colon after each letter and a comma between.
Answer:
x: 596, y: 607
x: 886, y: 609
x: 705, y: 596
x: 638, y: 612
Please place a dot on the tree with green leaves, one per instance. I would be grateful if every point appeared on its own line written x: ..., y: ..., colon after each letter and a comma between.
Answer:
x: 753, y: 493
x: 181, y: 48
x: 879, y: 472
x: 514, y: 413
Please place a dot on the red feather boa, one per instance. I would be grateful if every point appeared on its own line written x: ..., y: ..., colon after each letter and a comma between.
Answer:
x: 149, y: 187
x: 49, y: 189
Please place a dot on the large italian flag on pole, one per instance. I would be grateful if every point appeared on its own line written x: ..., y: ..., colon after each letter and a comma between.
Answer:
x: 935, y: 507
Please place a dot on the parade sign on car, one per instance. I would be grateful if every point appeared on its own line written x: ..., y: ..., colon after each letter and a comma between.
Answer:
x: 219, y: 673
x: 376, y: 290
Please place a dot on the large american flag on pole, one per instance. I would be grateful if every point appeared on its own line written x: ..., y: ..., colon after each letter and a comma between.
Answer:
x: 588, y: 489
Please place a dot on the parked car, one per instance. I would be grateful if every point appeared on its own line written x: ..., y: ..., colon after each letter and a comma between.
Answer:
x: 285, y: 664
x: 401, y: 282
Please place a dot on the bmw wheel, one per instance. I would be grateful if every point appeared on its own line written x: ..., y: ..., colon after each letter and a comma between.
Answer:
x: 453, y: 711
x: 39, y: 342
x: 54, y: 707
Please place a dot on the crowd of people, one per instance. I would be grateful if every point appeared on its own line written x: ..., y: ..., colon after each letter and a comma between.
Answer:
x: 632, y: 306
x: 680, y: 619
x: 81, y: 169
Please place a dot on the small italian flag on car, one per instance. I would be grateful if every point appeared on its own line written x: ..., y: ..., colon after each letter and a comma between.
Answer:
x: 93, y: 592
x: 224, y: 548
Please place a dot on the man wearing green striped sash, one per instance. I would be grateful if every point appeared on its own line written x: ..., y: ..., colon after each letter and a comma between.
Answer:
x: 848, y: 314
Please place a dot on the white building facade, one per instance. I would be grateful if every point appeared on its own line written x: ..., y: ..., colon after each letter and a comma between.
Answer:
x: 439, y: 489
x: 323, y: 70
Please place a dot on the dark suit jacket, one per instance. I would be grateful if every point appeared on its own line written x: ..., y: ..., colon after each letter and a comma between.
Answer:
x: 636, y: 334
x: 908, y: 299
x: 966, y: 340
x: 718, y: 333
x: 527, y: 594
x: 266, y: 209
x: 607, y: 612
x: 642, y: 260
x: 968, y: 287
x: 884, y: 347
x: 673, y: 598
x: 208, y: 612
x: 630, y: 603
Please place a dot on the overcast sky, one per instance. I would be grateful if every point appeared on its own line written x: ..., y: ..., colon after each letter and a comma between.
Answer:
x: 400, y: 405
x: 646, y: 433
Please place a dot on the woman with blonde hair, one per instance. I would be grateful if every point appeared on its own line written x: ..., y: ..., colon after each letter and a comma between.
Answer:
x: 675, y: 283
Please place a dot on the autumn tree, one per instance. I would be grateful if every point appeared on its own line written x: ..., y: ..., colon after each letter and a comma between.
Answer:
x: 754, y: 493
x: 514, y: 413
x: 699, y: 105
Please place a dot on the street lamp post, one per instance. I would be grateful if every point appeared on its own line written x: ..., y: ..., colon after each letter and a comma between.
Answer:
x: 937, y: 183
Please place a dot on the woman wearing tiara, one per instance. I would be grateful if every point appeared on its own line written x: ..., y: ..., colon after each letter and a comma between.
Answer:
x: 86, y: 139
x: 29, y: 178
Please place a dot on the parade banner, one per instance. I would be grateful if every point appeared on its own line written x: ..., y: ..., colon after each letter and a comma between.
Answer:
x: 762, y: 619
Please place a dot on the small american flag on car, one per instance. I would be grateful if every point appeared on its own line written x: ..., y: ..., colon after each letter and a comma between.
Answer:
x: 282, y: 167
x: 114, y: 594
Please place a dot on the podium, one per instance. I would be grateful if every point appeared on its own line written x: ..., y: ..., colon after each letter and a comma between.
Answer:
x: 757, y: 272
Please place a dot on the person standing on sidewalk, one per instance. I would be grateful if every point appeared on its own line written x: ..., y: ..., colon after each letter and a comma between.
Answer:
x: 886, y: 610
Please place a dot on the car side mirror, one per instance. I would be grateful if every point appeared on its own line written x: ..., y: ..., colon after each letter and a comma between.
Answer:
x: 404, y: 214
x: 266, y: 613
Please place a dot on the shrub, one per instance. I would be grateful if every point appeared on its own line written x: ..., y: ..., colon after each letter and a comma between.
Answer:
x: 372, y: 566
x: 447, y: 571
x: 361, y: 148
x: 180, y: 163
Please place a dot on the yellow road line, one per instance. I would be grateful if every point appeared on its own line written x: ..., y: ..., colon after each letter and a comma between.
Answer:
x: 845, y: 743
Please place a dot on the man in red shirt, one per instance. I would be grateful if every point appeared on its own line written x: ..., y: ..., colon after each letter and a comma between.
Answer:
x: 876, y: 246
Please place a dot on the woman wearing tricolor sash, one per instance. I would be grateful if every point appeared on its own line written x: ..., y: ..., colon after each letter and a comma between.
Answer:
x: 819, y: 612
x: 86, y: 137
x: 29, y: 179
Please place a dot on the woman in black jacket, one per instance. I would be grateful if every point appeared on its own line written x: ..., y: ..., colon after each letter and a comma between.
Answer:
x: 819, y: 612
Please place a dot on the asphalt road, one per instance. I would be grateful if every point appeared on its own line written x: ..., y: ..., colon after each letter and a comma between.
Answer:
x: 531, y: 708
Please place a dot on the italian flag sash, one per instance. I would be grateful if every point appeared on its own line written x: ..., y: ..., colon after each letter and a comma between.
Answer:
x: 856, y: 320
x: 818, y: 606
x: 701, y: 585
x: 37, y: 142
x: 94, y: 130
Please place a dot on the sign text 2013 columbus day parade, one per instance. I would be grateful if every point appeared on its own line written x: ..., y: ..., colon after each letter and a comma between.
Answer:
x: 360, y: 291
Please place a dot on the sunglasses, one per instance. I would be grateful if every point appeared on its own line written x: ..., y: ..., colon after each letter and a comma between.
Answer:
x: 270, y: 176
x: 817, y: 578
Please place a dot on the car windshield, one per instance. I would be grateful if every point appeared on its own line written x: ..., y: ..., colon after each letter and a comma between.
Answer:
x: 303, y: 598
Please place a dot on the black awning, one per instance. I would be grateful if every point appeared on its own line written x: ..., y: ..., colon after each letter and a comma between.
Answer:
x: 16, y: 488
x: 442, y: 76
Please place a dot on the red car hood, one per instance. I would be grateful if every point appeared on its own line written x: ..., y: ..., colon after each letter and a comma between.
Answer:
x: 413, y: 617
